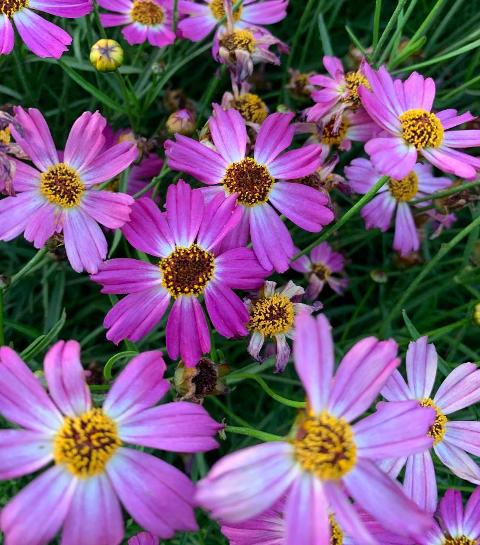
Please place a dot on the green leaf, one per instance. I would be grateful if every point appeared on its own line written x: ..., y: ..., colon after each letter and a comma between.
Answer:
x: 44, y: 341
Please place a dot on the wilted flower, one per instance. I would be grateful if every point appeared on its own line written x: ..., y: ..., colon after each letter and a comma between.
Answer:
x: 196, y: 383
x: 181, y: 122
x: 251, y: 107
x: 299, y: 84
x: 106, y: 55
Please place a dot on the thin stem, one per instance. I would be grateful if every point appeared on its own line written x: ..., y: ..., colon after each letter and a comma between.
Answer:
x: 36, y: 259
x: 388, y: 28
x: 263, y: 436
x: 447, y: 192
x: 266, y: 388
x: 376, y: 22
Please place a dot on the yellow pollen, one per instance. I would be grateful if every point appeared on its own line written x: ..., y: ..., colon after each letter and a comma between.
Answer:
x: 353, y: 81
x: 438, y: 429
x: 187, y: 271
x: 9, y: 7
x: 336, y: 534
x: 86, y: 443
x: 325, y: 446
x: 322, y: 271
x: 421, y: 129
x: 251, y: 181
x: 405, y: 189
x: 251, y: 107
x: 238, y: 39
x: 460, y: 540
x: 218, y: 10
x: 61, y: 185
x: 147, y: 12
x: 5, y: 136
x: 272, y: 315
x: 332, y: 137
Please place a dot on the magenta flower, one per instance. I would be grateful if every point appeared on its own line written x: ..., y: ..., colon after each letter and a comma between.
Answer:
x: 202, y: 18
x: 393, y: 199
x: 43, y: 38
x: 60, y: 195
x: 143, y: 538
x: 146, y: 20
x: 185, y: 239
x: 93, y: 470
x: 452, y: 440
x: 404, y: 111
x: 327, y: 459
x: 456, y: 524
x: 230, y: 171
x: 320, y: 268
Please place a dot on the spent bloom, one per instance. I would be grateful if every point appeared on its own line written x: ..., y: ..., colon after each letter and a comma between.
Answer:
x: 91, y: 471
x: 145, y: 20
x: 42, y: 37
x: 404, y: 111
x: 60, y: 195
x: 393, y: 199
x: 228, y: 170
x: 332, y: 454
x: 272, y: 315
x: 184, y: 239
x: 251, y: 107
x: 453, y: 440
x: 320, y: 268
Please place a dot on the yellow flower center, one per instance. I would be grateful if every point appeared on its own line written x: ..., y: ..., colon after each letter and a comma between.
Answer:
x: 336, y: 534
x: 238, y: 39
x: 147, y: 12
x: 438, y: 428
x: 353, y: 81
x: 421, y: 129
x: 326, y: 447
x: 5, y: 136
x: 272, y: 315
x: 460, y: 540
x: 86, y: 443
x: 9, y: 7
x: 218, y: 10
x: 405, y: 189
x: 61, y: 185
x: 251, y: 107
x: 187, y: 271
x: 332, y: 136
x: 322, y: 271
x: 251, y: 181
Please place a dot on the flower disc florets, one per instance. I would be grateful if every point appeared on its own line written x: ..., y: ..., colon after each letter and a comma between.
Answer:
x: 218, y: 10
x: 421, y: 129
x: 272, y: 315
x: 405, y: 189
x: 238, y: 40
x: 250, y: 180
x: 9, y: 7
x: 251, y: 107
x: 147, y: 12
x: 353, y: 82
x: 459, y: 540
x: 61, y: 185
x: 332, y: 135
x: 438, y: 429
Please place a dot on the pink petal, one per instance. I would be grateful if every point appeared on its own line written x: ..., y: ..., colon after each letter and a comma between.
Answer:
x: 462, y: 139
x: 421, y: 367
x: 127, y: 276
x: 458, y: 461
x: 229, y: 133
x: 265, y: 13
x: 16, y: 212
x: 396, y: 388
x: 296, y: 163
x: 160, y: 36
x: 135, y: 33
x: 228, y: 313
x: 26, y: 178
x: 464, y: 435
x: 42, y: 224
x: 240, y: 269
x: 451, y: 511
x: 119, y: 6
x: 361, y: 175
x: 471, y: 522
x: 85, y: 140
x: 109, y: 20
x: 406, y: 238
x: 419, y: 92
x: 420, y: 481
x: 221, y: 217
x: 452, y: 161
x: 184, y: 212
x: 108, y: 164
x: 392, y: 156
x: 196, y: 28
x: 63, y: 8
x: 23, y: 452
x: 107, y: 208
x: 379, y: 211
x: 144, y: 538
x: 275, y: 135
x: 7, y: 37
x: 460, y: 389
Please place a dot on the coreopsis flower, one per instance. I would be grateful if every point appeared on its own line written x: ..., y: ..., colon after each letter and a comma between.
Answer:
x: 106, y: 55
x: 58, y: 196
x: 201, y: 18
x: 184, y: 240
x: 272, y: 315
x: 42, y: 37
x: 452, y: 439
x: 145, y: 20
x: 456, y: 524
x: 321, y: 268
x: 251, y: 107
x: 144, y: 538
x: 404, y: 111
x: 332, y: 454
x: 393, y: 199
x: 337, y: 92
x: 91, y: 469
x: 228, y: 170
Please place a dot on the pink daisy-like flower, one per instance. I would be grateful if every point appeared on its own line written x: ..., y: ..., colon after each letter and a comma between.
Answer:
x: 457, y: 525
x: 320, y: 268
x: 143, y: 538
x: 60, y: 195
x: 93, y: 470
x: 202, y: 18
x: 43, y: 38
x: 452, y: 440
x: 146, y: 20
x: 185, y: 239
x: 253, y: 180
x: 272, y: 314
x: 332, y: 455
x: 393, y: 199
x: 404, y: 111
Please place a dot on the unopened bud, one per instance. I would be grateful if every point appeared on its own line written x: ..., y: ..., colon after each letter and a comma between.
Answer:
x: 106, y: 55
x: 181, y: 122
x: 476, y: 314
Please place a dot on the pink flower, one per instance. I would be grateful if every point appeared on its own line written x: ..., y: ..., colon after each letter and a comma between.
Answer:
x: 320, y: 269
x: 230, y: 171
x: 456, y: 523
x: 452, y: 439
x: 60, y: 195
x: 93, y: 471
x: 403, y: 110
x: 146, y: 20
x: 202, y: 18
x: 185, y: 239
x: 43, y: 38
x: 143, y: 538
x: 328, y: 459
x: 393, y: 199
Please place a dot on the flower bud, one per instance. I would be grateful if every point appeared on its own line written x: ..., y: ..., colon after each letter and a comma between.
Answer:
x: 181, y: 122
x: 106, y: 55
x: 476, y: 314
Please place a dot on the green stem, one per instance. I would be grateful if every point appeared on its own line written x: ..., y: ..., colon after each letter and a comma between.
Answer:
x: 36, y: 259
x: 447, y: 192
x: 388, y: 28
x: 376, y: 22
x: 263, y: 436
x: 266, y: 388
